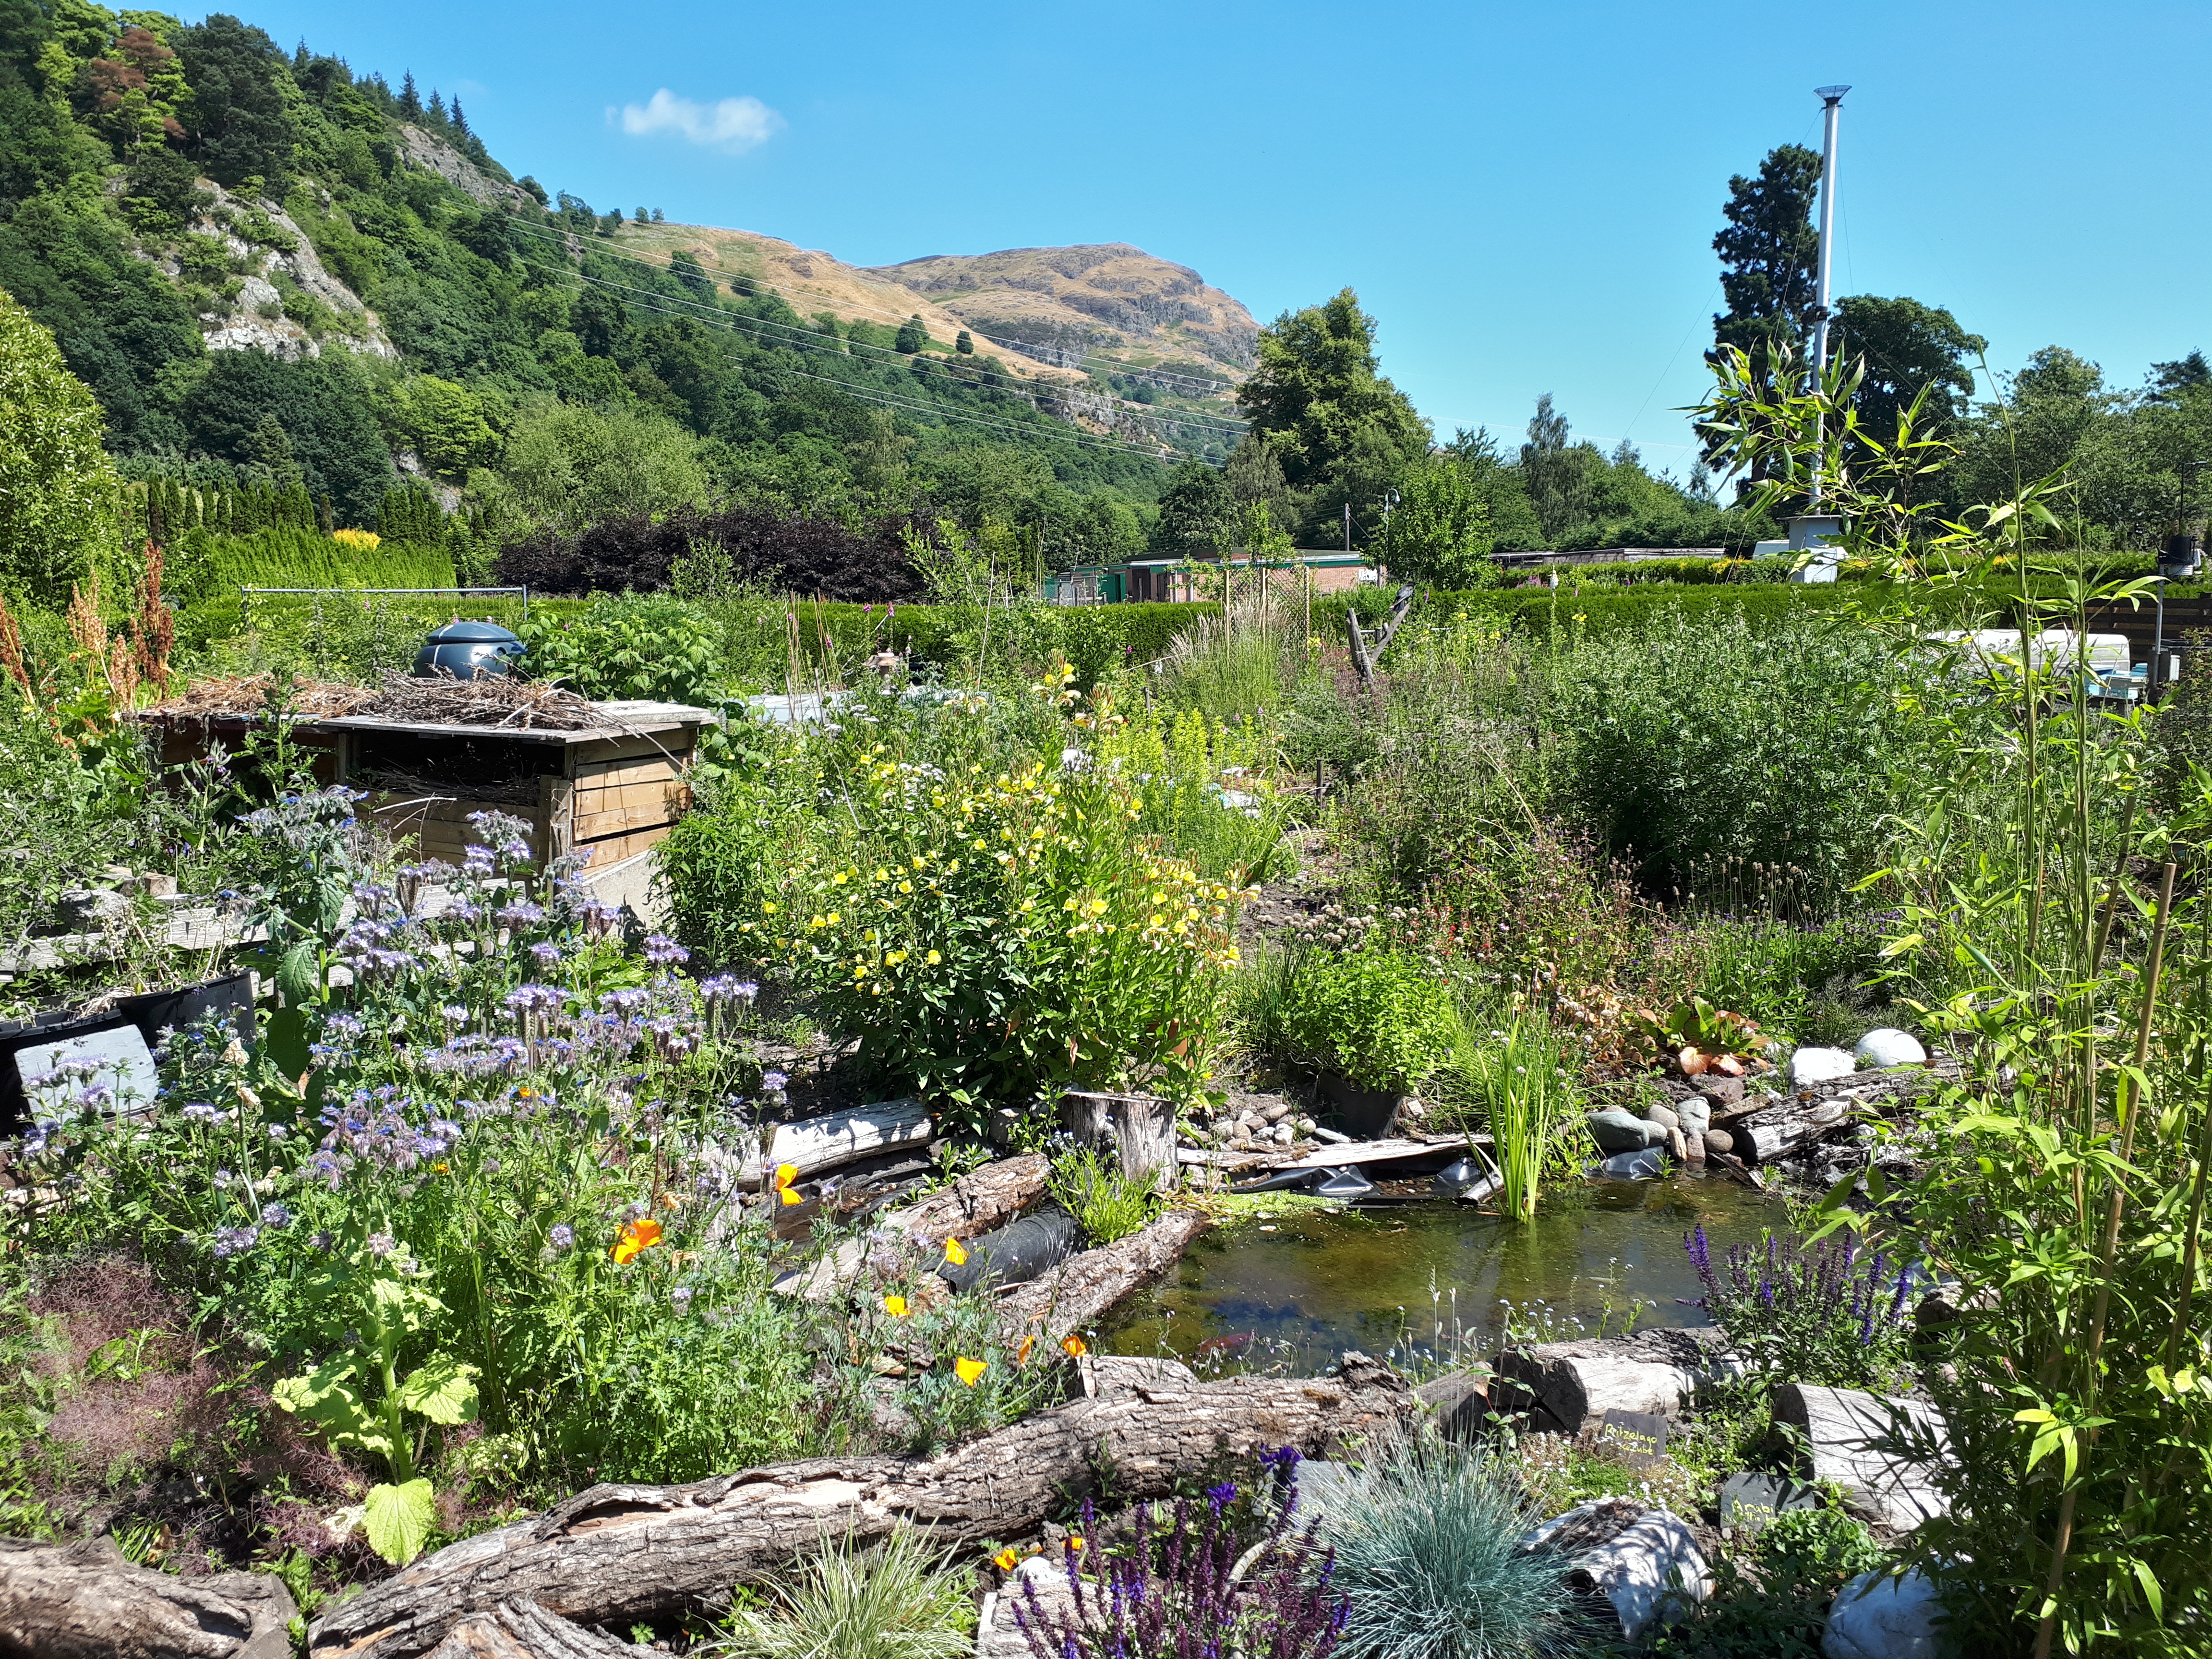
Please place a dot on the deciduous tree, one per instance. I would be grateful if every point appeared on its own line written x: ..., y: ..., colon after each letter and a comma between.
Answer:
x: 57, y: 488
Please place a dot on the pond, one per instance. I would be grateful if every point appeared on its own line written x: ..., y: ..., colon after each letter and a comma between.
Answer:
x: 1295, y: 1289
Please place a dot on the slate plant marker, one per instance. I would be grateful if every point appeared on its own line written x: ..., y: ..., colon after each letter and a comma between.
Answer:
x: 1638, y: 1439
x: 1749, y: 1501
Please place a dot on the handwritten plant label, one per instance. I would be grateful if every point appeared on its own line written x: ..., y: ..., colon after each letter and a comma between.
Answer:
x: 1638, y: 1439
x: 1749, y: 1502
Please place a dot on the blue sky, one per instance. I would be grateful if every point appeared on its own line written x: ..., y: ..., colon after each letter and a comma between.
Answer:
x: 1524, y: 196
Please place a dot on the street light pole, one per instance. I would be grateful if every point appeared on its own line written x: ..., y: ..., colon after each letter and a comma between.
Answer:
x: 1832, y: 109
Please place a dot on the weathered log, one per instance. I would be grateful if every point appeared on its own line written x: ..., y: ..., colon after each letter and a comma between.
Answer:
x: 84, y: 1600
x: 521, y: 1629
x: 815, y: 1144
x: 1778, y: 1134
x: 977, y: 1202
x: 1072, y: 1296
x: 1139, y: 1130
x: 615, y: 1555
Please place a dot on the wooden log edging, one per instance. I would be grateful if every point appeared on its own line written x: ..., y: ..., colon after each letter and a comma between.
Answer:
x: 616, y: 1555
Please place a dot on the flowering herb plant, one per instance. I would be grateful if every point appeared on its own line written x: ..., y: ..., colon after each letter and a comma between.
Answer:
x: 1830, y: 1316
x: 994, y: 935
x: 1175, y: 1592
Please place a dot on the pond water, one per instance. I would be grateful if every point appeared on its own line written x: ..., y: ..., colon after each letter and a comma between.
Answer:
x: 1295, y: 1289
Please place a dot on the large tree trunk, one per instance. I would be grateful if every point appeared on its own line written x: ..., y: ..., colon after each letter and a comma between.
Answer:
x: 84, y: 1600
x: 615, y: 1555
x: 1072, y: 1296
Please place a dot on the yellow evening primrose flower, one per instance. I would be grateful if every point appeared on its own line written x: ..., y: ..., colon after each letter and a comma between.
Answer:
x: 933, y: 958
x: 906, y: 887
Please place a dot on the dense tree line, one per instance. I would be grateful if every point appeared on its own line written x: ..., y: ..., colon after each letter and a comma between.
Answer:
x: 2125, y: 449
x: 525, y: 375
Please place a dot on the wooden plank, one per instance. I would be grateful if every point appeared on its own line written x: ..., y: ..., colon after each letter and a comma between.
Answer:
x: 600, y: 747
x: 606, y: 854
x: 660, y: 792
x: 597, y: 826
x: 1378, y: 1151
x: 636, y: 769
x: 815, y: 1144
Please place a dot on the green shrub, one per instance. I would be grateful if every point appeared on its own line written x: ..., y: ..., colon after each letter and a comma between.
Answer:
x: 1375, y: 1017
x: 1093, y: 1190
x: 667, y: 650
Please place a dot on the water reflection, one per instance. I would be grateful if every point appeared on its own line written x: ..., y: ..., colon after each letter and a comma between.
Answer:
x: 1309, y: 1285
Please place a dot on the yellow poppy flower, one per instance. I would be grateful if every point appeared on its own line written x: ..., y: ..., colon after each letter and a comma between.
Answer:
x: 634, y: 1236
x: 785, y: 1173
x: 1005, y: 1558
x: 1075, y: 1543
x: 1076, y: 1346
x: 894, y: 1306
x: 953, y: 1253
x: 970, y: 1371
x: 1022, y: 1354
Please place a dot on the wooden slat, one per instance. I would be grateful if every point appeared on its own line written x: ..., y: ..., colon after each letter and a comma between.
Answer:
x: 670, y: 745
x: 596, y: 826
x: 660, y: 792
x: 613, y: 849
x: 635, y: 768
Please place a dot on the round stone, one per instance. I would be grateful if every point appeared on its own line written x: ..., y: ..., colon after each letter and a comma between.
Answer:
x: 1888, y: 1046
x: 1664, y: 1116
x: 1809, y: 1066
x: 1719, y: 1140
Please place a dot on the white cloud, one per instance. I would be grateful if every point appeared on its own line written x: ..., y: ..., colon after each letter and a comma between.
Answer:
x: 734, y: 124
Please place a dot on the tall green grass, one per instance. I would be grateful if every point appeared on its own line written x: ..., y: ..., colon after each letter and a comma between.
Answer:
x: 208, y: 566
x: 889, y: 1603
x: 1518, y: 1078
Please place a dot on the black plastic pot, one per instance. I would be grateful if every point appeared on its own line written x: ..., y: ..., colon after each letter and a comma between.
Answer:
x: 1017, y: 1252
x: 15, y: 1112
x: 1363, y: 1114
x: 153, y: 1012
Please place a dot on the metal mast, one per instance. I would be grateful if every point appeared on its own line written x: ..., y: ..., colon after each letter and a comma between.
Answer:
x: 1832, y: 101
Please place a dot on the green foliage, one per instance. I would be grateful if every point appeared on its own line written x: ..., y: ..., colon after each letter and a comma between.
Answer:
x: 891, y: 1602
x: 1183, y: 768
x: 1778, y: 1608
x: 1439, y: 534
x: 320, y: 412
x: 58, y: 517
x: 1690, y: 747
x: 1107, y: 1205
x: 1428, y: 1553
x: 1198, y: 515
x: 239, y: 126
x: 634, y: 647
x: 1377, y: 1017
x: 1341, y: 432
x: 1767, y: 250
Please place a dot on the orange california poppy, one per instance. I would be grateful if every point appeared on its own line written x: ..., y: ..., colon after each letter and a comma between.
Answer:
x: 785, y: 1173
x: 635, y: 1235
x: 970, y: 1371
x: 894, y: 1306
x: 1005, y: 1558
x: 953, y: 1253
x: 1022, y: 1354
x: 1076, y: 1346
x: 1074, y: 1542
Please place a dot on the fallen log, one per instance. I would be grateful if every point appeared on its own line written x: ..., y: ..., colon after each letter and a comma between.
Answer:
x: 815, y: 1144
x: 617, y: 1555
x: 1072, y: 1296
x: 1844, y: 1436
x: 979, y: 1201
x: 521, y: 1629
x: 84, y: 1600
x: 1779, y: 1134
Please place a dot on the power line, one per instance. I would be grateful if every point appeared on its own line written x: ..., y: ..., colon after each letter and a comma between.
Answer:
x: 1042, y: 353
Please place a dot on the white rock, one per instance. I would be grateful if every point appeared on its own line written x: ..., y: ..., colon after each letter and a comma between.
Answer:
x: 1578, y: 1383
x: 1888, y: 1046
x: 1878, y: 1617
x: 1839, y: 1432
x: 1649, y: 1572
x: 1809, y: 1066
